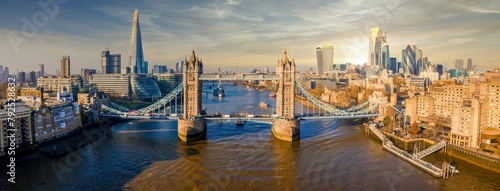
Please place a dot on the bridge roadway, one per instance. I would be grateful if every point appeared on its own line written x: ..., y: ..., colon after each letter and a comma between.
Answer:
x: 233, y: 117
x: 238, y: 77
x: 256, y: 118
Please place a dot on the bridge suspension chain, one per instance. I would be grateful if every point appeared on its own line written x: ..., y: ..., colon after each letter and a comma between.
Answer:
x: 166, y: 99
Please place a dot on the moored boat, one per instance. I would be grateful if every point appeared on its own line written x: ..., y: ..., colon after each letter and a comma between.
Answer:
x: 263, y: 104
x: 240, y: 123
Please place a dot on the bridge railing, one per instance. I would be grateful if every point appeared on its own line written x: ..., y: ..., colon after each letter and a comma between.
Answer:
x: 238, y: 77
x: 356, y: 110
x: 118, y: 106
x: 430, y: 150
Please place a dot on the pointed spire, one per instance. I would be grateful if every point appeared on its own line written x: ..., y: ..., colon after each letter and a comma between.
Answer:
x: 136, y: 56
x: 285, y: 57
x: 193, y: 57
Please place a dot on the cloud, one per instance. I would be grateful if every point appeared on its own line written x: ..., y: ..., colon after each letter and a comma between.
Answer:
x: 254, y: 33
x: 482, y: 10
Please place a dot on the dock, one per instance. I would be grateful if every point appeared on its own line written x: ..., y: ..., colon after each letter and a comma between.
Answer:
x: 414, y: 159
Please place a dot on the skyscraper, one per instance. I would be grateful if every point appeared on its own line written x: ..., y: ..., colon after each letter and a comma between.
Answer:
x: 32, y: 78
x: 65, y: 66
x: 159, y: 69
x: 21, y: 77
x: 179, y: 66
x: 42, y: 70
x: 324, y: 56
x: 459, y: 64
x: 136, y: 58
x: 469, y: 64
x: 377, y: 48
x: 394, y: 65
x: 319, y: 58
x: 110, y: 63
x: 412, y: 60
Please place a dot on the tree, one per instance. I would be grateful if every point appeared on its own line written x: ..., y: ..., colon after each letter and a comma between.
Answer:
x: 414, y: 128
x: 353, y: 92
x: 317, y: 90
x: 387, y: 121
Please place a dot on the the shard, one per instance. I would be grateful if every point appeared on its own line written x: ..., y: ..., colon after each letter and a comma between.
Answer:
x: 136, y: 58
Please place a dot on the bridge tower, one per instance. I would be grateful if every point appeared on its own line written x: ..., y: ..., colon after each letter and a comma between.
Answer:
x: 286, y: 127
x: 191, y: 125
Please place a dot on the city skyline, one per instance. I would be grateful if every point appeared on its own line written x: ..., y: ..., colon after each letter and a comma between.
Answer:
x: 251, y: 34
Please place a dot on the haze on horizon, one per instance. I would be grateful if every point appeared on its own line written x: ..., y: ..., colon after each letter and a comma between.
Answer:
x: 249, y: 34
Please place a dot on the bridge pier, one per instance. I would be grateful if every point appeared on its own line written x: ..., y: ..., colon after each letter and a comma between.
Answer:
x: 286, y: 130
x: 192, y: 129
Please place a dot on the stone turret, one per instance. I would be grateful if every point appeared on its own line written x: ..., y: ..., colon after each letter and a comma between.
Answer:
x: 286, y: 127
x: 191, y: 125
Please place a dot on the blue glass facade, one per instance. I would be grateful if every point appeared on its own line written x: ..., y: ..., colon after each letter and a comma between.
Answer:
x: 144, y: 88
x: 393, y: 65
x: 412, y: 60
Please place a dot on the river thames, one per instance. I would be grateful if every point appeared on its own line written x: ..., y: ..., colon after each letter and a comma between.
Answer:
x: 331, y: 155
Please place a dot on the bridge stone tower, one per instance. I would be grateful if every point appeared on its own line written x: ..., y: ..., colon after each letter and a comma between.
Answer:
x: 191, y: 125
x: 286, y: 127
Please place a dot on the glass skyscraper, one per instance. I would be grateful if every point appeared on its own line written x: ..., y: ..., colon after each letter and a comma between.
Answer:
x: 324, y: 56
x: 136, y: 58
x: 412, y: 60
x: 378, y: 55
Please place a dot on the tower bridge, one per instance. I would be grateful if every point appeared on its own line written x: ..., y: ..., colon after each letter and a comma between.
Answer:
x: 285, y: 123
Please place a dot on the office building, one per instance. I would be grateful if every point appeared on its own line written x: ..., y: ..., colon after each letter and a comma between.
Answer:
x: 128, y: 86
x: 4, y: 73
x: 21, y: 122
x: 42, y: 70
x: 65, y: 66
x: 136, y: 58
x: 440, y: 69
x: 58, y: 83
x: 412, y: 60
x: 459, y: 64
x: 32, y: 78
x: 394, y: 65
x: 115, y: 85
x: 110, y: 63
x: 319, y: 58
x: 378, y: 53
x: 86, y: 73
x: 467, y: 115
x: 168, y: 82
x: 159, y: 69
x: 324, y: 56
x: 21, y: 77
x: 469, y: 65
x: 179, y: 66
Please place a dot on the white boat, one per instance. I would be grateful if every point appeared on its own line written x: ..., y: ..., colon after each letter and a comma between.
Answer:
x: 262, y: 104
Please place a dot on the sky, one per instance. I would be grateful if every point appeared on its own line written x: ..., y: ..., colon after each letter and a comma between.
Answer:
x: 243, y: 34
